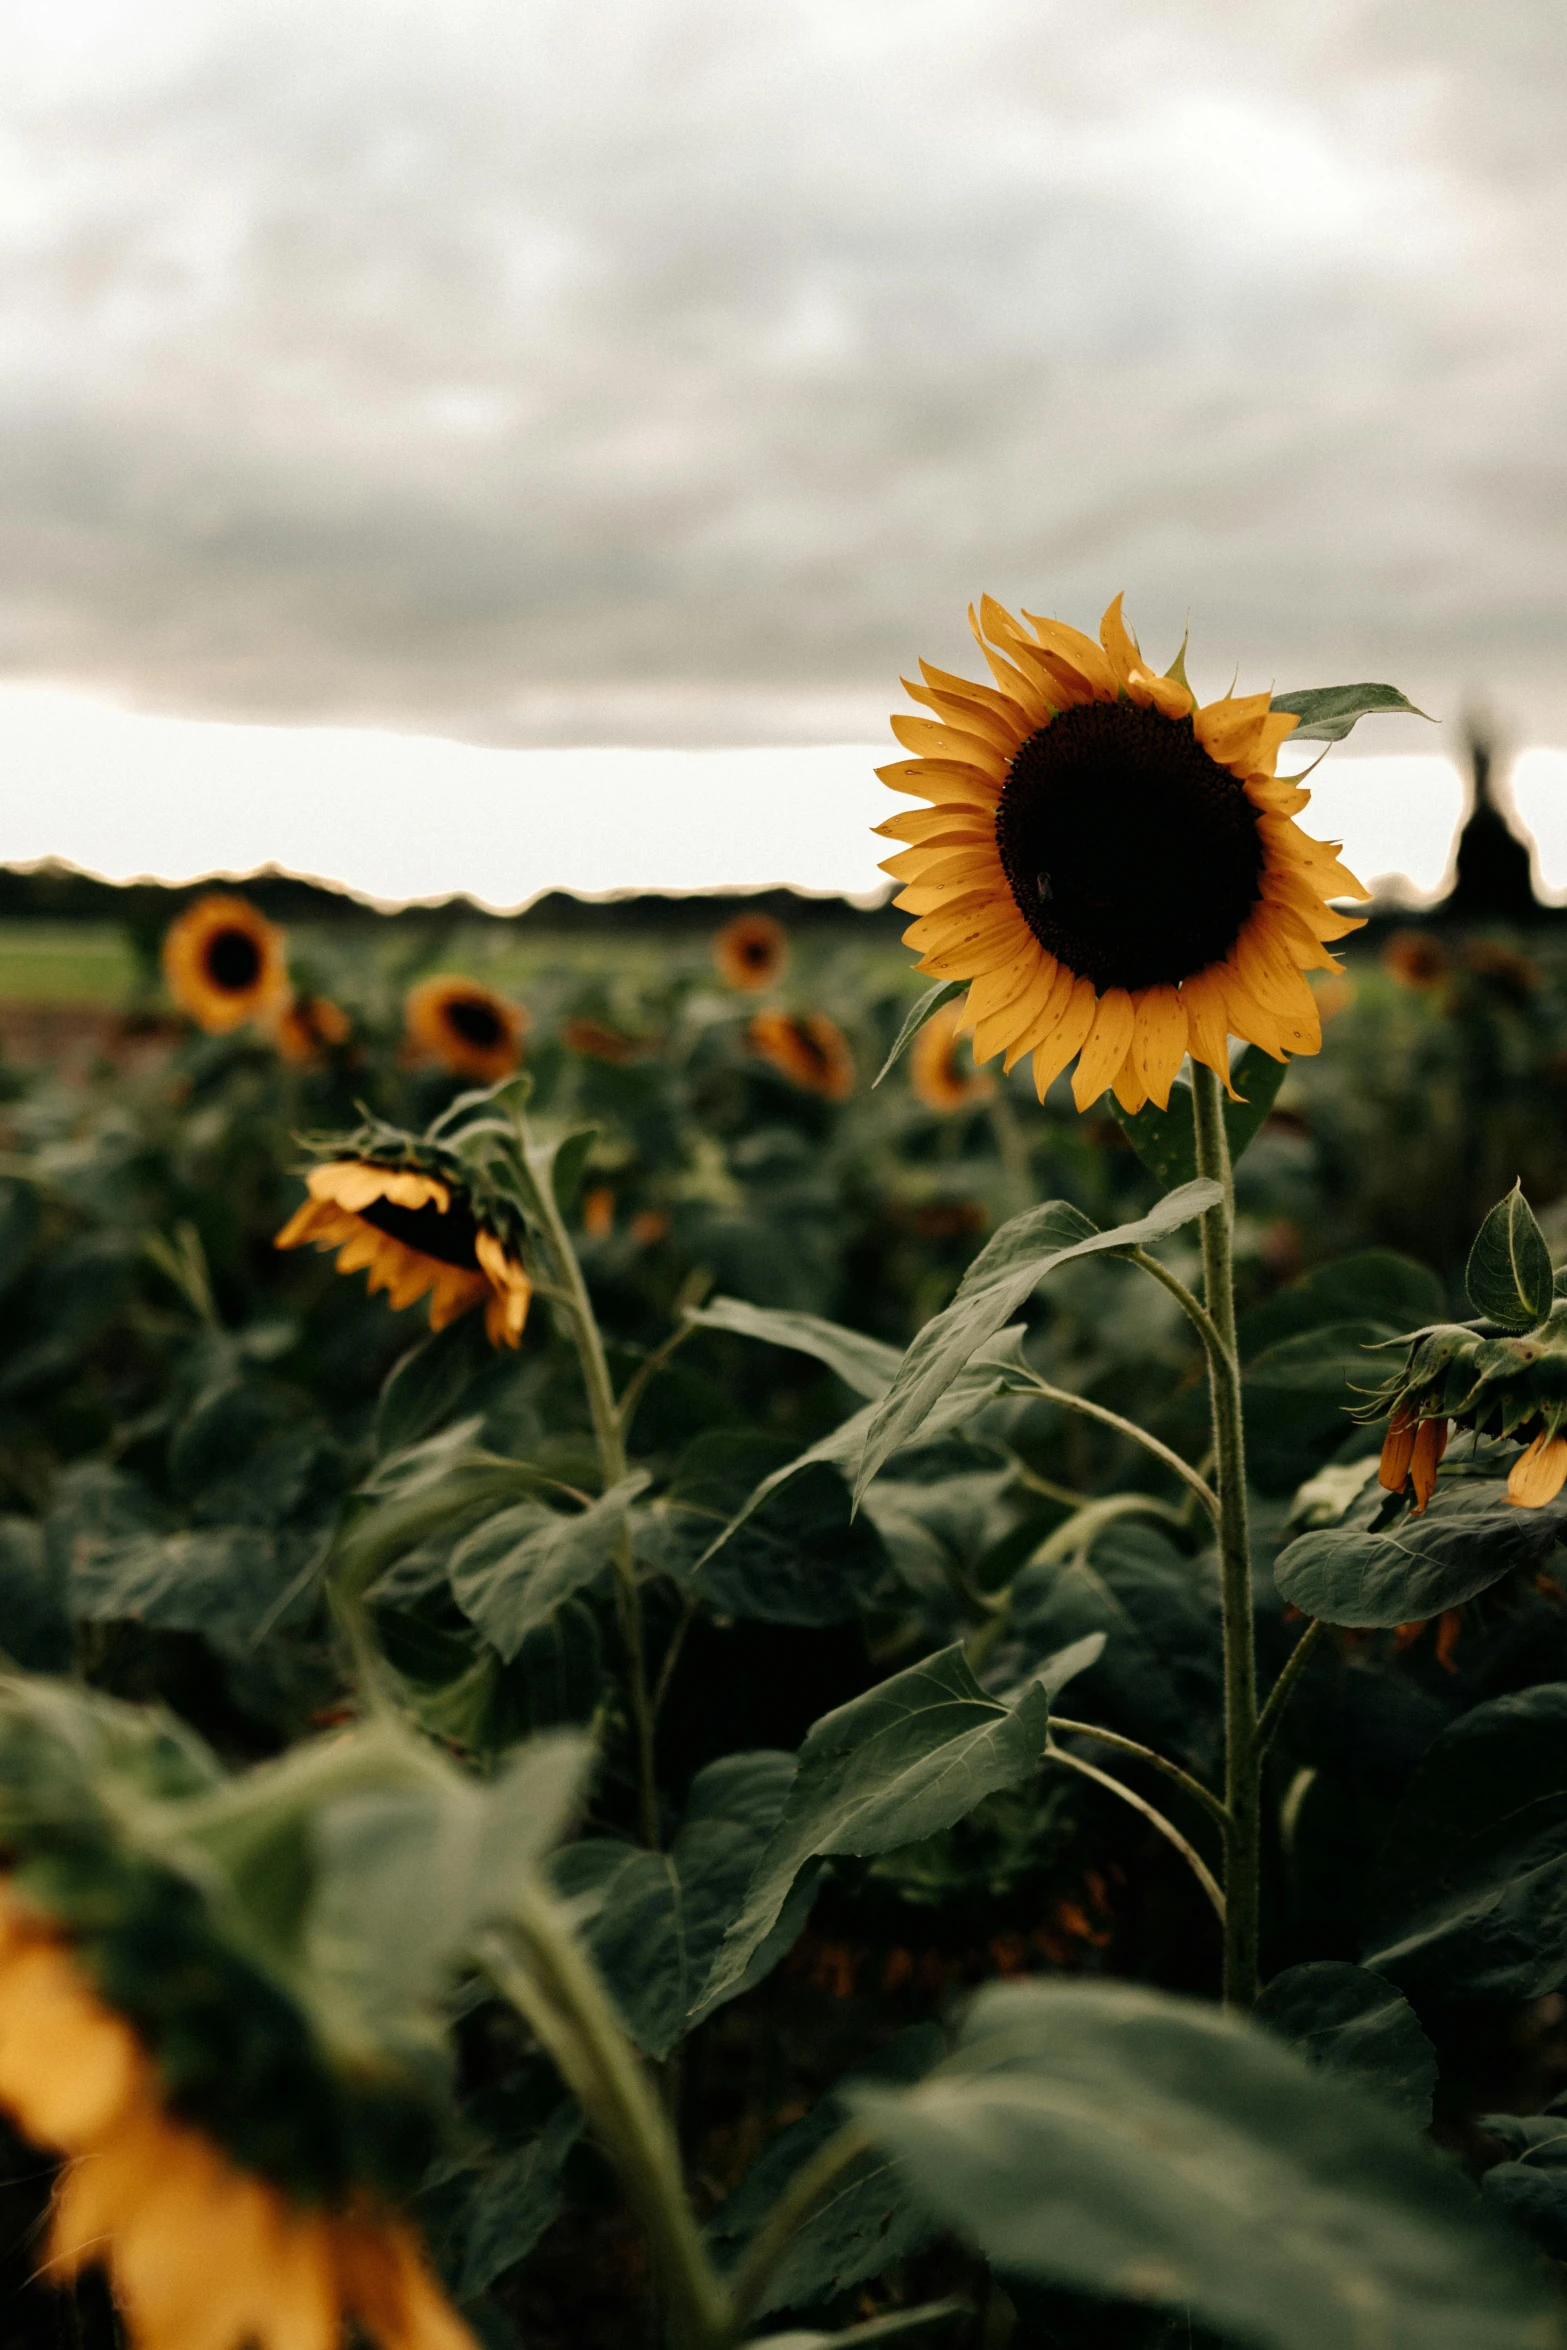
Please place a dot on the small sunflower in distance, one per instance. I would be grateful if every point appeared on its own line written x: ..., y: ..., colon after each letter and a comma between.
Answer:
x: 1112, y: 868
x: 807, y: 1048
x: 224, y: 964
x: 751, y: 952
x: 936, y: 1070
x: 467, y: 1027
x: 309, y: 1026
x: 416, y: 1234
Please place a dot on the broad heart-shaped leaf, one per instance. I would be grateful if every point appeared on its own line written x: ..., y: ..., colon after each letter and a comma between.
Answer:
x: 1471, y: 1887
x: 972, y: 1389
x: 1327, y: 712
x: 1148, y: 2149
x: 901, y: 1762
x: 224, y: 1582
x: 1008, y: 1268
x: 1166, y: 1140
x: 863, y: 2223
x: 513, y: 2201
x: 654, y: 1920
x: 512, y: 1573
x: 1468, y: 1539
x: 802, y: 1557
x: 1351, y: 2021
x: 867, y: 1365
x: 1508, y: 1275
x: 930, y: 1003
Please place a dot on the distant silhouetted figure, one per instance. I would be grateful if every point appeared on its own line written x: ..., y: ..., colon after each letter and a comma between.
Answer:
x: 1494, y: 882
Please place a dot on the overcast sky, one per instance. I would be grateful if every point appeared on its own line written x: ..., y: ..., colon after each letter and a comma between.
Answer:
x: 672, y: 372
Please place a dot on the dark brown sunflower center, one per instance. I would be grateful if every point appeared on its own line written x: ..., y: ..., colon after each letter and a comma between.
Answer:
x: 1133, y: 856
x: 476, y: 1022
x: 233, y: 961
x: 449, y: 1239
x: 756, y: 952
x: 814, y: 1056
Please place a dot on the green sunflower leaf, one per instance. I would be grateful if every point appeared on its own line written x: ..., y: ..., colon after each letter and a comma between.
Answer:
x: 1349, y: 2020
x: 1471, y: 1885
x: 1166, y: 1140
x: 510, y: 1574
x: 1328, y: 712
x: 1508, y: 1275
x: 1150, y: 2149
x: 930, y: 1002
x: 1468, y: 1539
x: 865, y: 1364
x: 1007, y: 1270
x: 903, y: 1761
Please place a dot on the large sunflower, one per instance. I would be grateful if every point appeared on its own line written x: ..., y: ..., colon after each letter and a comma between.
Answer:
x: 200, y: 2253
x: 415, y: 1234
x: 1112, y: 868
x: 224, y: 963
x: 468, y: 1027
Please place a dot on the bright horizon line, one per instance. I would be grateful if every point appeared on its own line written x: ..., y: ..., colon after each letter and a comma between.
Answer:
x: 128, y: 795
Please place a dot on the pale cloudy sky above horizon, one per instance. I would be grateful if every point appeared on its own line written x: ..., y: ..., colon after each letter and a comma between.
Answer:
x: 657, y: 372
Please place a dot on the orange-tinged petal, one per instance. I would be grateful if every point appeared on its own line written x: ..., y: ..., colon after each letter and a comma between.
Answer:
x: 946, y: 783
x: 931, y: 827
x: 1398, y: 1450
x: 993, y: 1035
x: 1121, y: 648
x: 68, y: 2066
x: 929, y: 739
x: 1001, y: 987
x: 1068, y: 648
x: 1159, y: 1042
x: 1430, y: 1444
x: 1051, y: 1057
x: 1105, y: 1047
x: 1538, y: 1473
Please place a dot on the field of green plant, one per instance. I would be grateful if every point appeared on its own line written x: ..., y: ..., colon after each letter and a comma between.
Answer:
x: 700, y: 1802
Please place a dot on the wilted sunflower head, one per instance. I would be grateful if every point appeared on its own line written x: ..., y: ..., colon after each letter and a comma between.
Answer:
x: 751, y: 952
x: 807, y: 1048
x: 1497, y: 1382
x: 1111, y: 867
x: 418, y: 1227
x: 224, y: 963
x: 936, y: 1065
x: 309, y: 1026
x: 467, y: 1027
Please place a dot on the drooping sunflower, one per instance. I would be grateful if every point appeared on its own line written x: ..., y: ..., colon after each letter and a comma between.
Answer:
x: 309, y: 1026
x: 468, y: 1027
x: 200, y: 2253
x: 1113, y: 868
x: 416, y: 1232
x: 751, y: 952
x: 936, y: 1069
x: 807, y: 1048
x: 224, y: 963
x: 1497, y: 1382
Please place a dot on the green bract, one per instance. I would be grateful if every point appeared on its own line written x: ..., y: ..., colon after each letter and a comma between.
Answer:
x: 1498, y: 1382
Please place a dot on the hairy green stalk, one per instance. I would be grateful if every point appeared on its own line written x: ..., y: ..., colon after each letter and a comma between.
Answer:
x: 1242, y: 1758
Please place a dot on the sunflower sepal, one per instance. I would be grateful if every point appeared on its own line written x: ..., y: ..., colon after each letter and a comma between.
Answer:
x: 1327, y: 713
x: 929, y: 1004
x: 1506, y: 1384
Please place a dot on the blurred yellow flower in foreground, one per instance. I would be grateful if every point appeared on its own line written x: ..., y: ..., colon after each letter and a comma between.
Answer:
x: 199, y: 2254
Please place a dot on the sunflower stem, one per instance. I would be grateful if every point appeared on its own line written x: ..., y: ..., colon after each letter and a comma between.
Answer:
x: 1242, y: 1758
x: 609, y: 1436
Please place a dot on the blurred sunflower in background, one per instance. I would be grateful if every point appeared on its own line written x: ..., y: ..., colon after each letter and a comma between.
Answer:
x: 197, y: 2250
x: 1113, y: 868
x: 308, y: 1027
x: 808, y: 1049
x: 224, y: 963
x: 941, y: 1071
x: 751, y: 952
x: 416, y: 1235
x: 468, y: 1028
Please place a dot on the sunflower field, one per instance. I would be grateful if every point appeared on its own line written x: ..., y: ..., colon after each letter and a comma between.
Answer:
x: 712, y: 1640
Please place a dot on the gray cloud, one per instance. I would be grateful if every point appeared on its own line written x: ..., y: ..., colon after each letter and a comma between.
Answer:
x: 656, y: 370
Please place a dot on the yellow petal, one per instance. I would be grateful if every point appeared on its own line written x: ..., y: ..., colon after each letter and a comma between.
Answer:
x: 931, y: 740
x: 1014, y: 1019
x: 1207, y: 1023
x: 1046, y: 1021
x: 1159, y: 1042
x: 1074, y: 656
x: 1004, y: 986
x: 1105, y: 1048
x: 1051, y: 1057
x: 927, y: 825
x: 1121, y: 650
x: 1128, y: 1087
x: 1538, y: 1473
